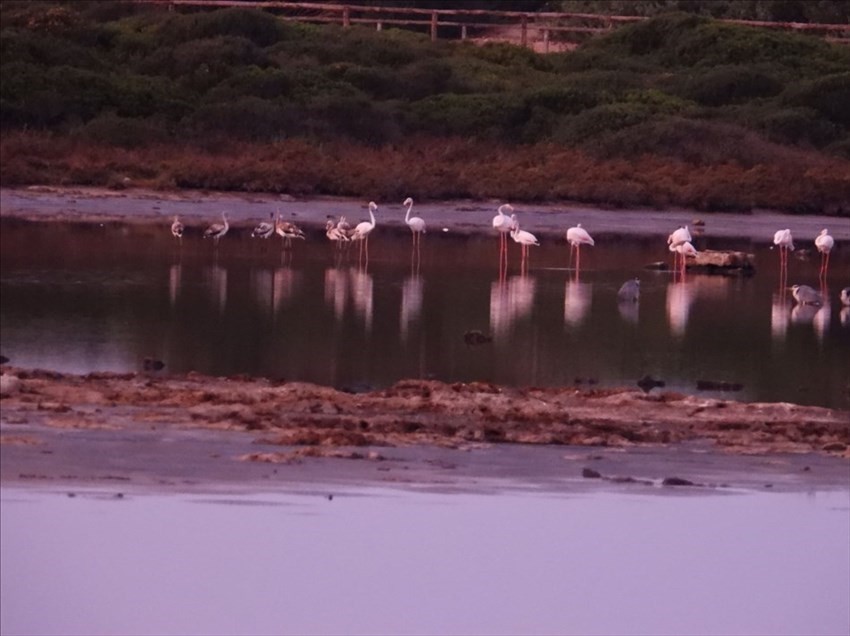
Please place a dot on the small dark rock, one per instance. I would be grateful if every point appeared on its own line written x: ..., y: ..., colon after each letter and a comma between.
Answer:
x: 647, y: 383
x: 589, y: 473
x: 151, y: 364
x: 715, y: 385
x: 3, y: 359
x: 835, y: 447
x: 476, y: 337
x: 677, y: 481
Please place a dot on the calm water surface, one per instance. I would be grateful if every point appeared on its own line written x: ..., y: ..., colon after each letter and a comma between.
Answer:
x: 398, y: 561
x: 81, y: 298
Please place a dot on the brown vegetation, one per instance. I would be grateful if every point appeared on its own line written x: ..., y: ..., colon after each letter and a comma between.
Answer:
x: 435, y: 169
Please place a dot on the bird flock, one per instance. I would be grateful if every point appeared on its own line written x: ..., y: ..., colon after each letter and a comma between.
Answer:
x: 506, y: 223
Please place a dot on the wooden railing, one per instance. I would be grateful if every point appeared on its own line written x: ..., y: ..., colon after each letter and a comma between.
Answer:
x: 534, y: 29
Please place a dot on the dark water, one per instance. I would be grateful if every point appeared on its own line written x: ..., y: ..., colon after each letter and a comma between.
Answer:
x: 82, y: 298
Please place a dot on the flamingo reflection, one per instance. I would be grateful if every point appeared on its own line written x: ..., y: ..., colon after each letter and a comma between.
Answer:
x: 510, y: 301
x: 680, y: 297
x: 411, y: 302
x: 336, y: 290
x: 361, y: 292
x: 576, y: 301
x: 262, y: 288
x: 217, y: 280
x: 175, y: 276
x: 821, y: 320
x: 780, y: 315
x: 284, y: 286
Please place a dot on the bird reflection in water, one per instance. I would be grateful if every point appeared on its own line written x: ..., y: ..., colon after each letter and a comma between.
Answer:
x: 680, y: 297
x: 577, y: 297
x: 628, y: 297
x: 821, y: 321
x: 361, y: 293
x: 284, y: 285
x: 780, y: 316
x: 845, y: 309
x: 262, y: 287
x: 175, y: 277
x: 336, y: 290
x: 217, y: 280
x: 411, y: 303
x: 510, y: 301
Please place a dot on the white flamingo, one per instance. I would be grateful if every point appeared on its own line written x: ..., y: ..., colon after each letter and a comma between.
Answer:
x: 576, y: 237
x: 362, y: 230
x: 785, y: 242
x: 177, y: 229
x: 824, y: 242
x: 335, y: 234
x: 502, y: 224
x: 217, y: 230
x: 415, y: 223
x: 682, y: 235
x: 684, y: 251
x: 265, y: 229
x: 525, y: 239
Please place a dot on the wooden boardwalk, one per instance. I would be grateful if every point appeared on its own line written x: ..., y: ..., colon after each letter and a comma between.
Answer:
x: 544, y: 32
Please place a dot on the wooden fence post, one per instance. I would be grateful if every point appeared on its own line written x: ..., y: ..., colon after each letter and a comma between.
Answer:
x: 463, y: 32
x: 433, y: 26
x: 545, y: 40
x: 346, y: 17
x: 523, y: 30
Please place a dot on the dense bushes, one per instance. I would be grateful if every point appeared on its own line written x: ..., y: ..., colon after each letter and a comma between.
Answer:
x: 680, y: 87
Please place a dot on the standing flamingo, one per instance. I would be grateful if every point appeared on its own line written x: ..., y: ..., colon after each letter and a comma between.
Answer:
x: 785, y: 242
x: 683, y: 250
x: 287, y: 231
x: 525, y: 239
x: 217, y: 230
x: 335, y: 234
x: 362, y: 230
x: 265, y: 229
x: 682, y: 235
x: 576, y: 237
x: 824, y: 242
x: 177, y: 229
x: 415, y: 223
x: 502, y: 223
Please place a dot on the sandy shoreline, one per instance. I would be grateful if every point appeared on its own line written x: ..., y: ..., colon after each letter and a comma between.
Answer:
x: 197, y: 209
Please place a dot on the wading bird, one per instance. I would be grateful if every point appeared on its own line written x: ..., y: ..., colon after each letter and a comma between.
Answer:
x: 805, y: 295
x: 629, y: 291
x: 525, y: 239
x: 265, y: 229
x: 334, y: 234
x: 576, y: 237
x: 287, y: 231
x: 845, y: 296
x: 680, y: 236
x: 502, y: 224
x: 684, y: 250
x: 177, y: 229
x: 362, y: 230
x: 824, y: 242
x: 217, y: 230
x: 785, y: 242
x: 415, y: 223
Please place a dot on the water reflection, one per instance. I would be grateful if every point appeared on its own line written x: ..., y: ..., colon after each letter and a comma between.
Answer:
x: 362, y: 289
x: 680, y: 297
x: 577, y: 298
x: 845, y: 316
x: 336, y: 290
x: 175, y: 276
x: 216, y: 276
x: 821, y: 321
x: 510, y: 301
x: 285, y: 286
x: 411, y: 303
x: 780, y: 316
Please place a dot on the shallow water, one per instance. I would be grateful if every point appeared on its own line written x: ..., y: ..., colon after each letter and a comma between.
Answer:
x: 81, y: 298
x: 402, y: 561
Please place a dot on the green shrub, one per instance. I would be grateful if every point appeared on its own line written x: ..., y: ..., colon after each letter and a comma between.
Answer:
x: 603, y: 119
x: 124, y: 132
x: 798, y: 126
x: 486, y: 116
x: 248, y: 118
x: 258, y: 27
x: 730, y: 85
x: 829, y: 95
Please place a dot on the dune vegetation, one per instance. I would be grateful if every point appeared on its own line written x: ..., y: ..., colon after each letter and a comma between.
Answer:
x: 679, y: 110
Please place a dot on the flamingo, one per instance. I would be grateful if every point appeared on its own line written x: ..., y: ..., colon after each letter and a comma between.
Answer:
x: 287, y: 231
x: 416, y: 224
x: 682, y: 235
x: 335, y: 234
x: 525, y: 239
x: 362, y: 230
x: 684, y: 250
x: 785, y: 242
x: 217, y: 230
x: 576, y: 237
x: 177, y: 229
x: 502, y: 223
x: 264, y: 229
x: 824, y: 242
